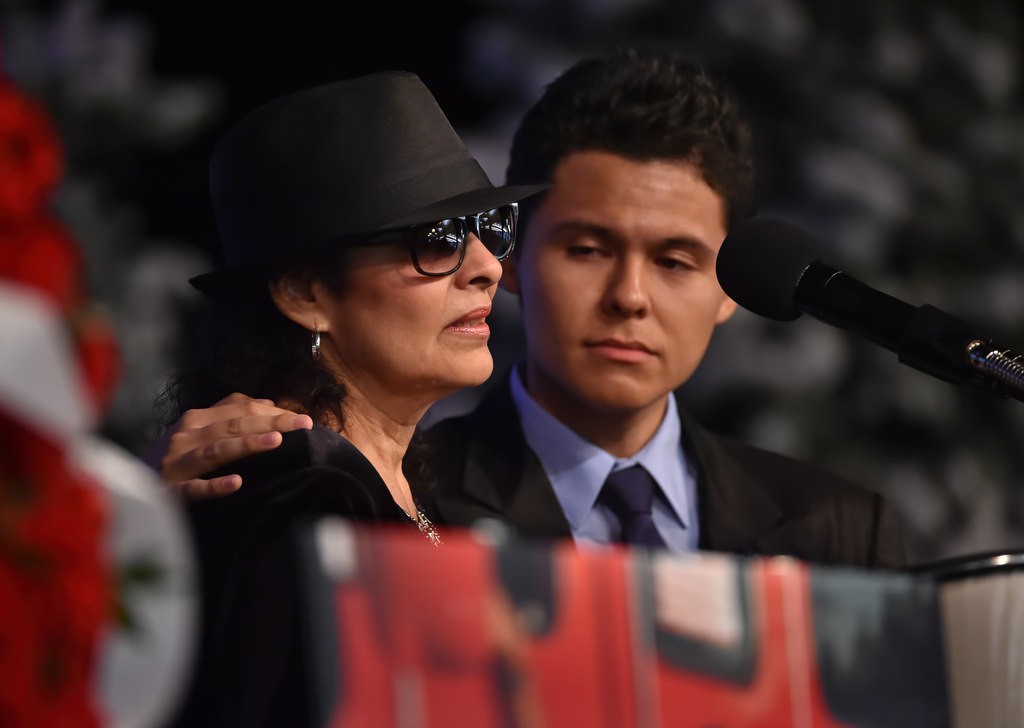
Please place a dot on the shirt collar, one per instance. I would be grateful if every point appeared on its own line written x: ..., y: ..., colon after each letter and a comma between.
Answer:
x: 578, y: 469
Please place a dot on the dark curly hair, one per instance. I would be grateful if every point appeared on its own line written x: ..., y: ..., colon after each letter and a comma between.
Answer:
x: 644, y: 106
x: 247, y: 345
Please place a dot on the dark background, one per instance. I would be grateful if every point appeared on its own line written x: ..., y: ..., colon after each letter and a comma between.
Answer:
x: 891, y: 131
x: 257, y: 55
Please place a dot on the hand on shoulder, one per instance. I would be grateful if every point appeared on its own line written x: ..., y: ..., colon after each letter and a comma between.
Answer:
x: 204, y: 440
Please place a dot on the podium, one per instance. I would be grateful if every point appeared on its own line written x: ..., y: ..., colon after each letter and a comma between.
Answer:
x: 485, y: 631
x: 982, y: 605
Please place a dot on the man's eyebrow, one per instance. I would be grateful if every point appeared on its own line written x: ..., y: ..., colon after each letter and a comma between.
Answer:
x: 602, y: 232
x: 692, y: 244
x: 581, y: 226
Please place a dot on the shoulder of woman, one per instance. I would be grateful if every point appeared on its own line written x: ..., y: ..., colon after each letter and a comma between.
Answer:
x: 301, y: 449
x: 312, y: 472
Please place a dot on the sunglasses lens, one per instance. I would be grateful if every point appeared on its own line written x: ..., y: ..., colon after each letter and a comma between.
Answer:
x: 438, y: 246
x: 498, y: 230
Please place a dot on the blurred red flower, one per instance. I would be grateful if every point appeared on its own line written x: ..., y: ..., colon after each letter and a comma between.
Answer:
x: 30, y: 155
x: 40, y: 253
x: 56, y: 599
x: 55, y: 594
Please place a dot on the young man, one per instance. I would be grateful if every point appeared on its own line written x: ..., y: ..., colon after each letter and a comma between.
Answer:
x: 649, y: 164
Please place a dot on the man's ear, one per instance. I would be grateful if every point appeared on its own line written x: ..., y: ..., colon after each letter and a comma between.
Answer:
x: 725, y: 310
x: 510, y: 274
x: 296, y: 296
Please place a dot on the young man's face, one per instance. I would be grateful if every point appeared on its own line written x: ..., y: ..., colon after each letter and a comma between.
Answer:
x: 617, y: 280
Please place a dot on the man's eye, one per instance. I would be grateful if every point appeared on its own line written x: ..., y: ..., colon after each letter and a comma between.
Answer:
x: 675, y: 264
x: 583, y: 251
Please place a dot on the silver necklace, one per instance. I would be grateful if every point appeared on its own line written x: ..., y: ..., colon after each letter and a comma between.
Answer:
x: 427, y: 528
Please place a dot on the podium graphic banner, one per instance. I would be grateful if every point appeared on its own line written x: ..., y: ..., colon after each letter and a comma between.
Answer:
x: 531, y: 634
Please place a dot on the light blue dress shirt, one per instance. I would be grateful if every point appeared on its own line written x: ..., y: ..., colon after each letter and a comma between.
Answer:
x: 578, y: 469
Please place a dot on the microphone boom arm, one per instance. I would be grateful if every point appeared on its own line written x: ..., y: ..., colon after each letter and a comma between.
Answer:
x: 1004, y: 366
x: 923, y: 337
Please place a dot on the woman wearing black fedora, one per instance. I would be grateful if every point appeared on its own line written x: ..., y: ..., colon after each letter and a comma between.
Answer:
x: 362, y: 244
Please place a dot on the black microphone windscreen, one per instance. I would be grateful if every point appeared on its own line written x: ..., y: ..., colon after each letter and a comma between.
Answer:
x: 760, y: 264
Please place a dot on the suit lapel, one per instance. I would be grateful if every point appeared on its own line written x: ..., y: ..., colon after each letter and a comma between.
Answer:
x: 502, y: 478
x: 503, y: 475
x: 736, y: 514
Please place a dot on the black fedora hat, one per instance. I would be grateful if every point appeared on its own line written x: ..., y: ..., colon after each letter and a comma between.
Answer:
x: 311, y: 171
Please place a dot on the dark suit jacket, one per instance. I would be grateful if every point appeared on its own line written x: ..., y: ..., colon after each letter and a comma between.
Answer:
x: 750, y: 501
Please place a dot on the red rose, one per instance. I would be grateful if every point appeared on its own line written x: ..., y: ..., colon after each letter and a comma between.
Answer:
x: 40, y: 253
x: 30, y: 155
x: 55, y: 589
x: 55, y: 595
x: 18, y: 647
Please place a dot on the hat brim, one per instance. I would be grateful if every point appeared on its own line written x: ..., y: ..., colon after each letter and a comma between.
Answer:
x: 231, y: 283
x: 228, y: 283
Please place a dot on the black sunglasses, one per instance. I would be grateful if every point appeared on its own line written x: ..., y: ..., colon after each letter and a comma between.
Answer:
x: 438, y: 248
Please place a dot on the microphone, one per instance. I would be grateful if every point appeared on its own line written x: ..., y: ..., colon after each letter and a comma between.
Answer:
x: 771, y: 268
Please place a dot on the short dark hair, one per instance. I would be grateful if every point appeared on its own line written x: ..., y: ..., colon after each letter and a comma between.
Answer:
x: 644, y: 106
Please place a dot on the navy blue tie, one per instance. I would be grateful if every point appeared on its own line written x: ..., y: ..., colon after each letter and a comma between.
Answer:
x: 629, y: 493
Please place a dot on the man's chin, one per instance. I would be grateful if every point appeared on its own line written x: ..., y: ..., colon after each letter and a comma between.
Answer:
x: 622, y: 398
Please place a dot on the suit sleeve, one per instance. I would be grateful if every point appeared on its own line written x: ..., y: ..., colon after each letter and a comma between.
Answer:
x: 887, y: 548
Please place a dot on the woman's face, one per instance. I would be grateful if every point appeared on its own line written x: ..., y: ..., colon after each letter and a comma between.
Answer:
x: 392, y: 331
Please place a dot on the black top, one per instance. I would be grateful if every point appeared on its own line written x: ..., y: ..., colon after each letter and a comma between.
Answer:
x: 254, y: 661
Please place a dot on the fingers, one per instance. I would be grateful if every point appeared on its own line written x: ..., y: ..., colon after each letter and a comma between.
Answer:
x: 184, y: 463
x: 239, y: 398
x: 233, y: 406
x: 205, y: 453
x: 236, y: 426
x: 199, y: 488
x: 208, y: 439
